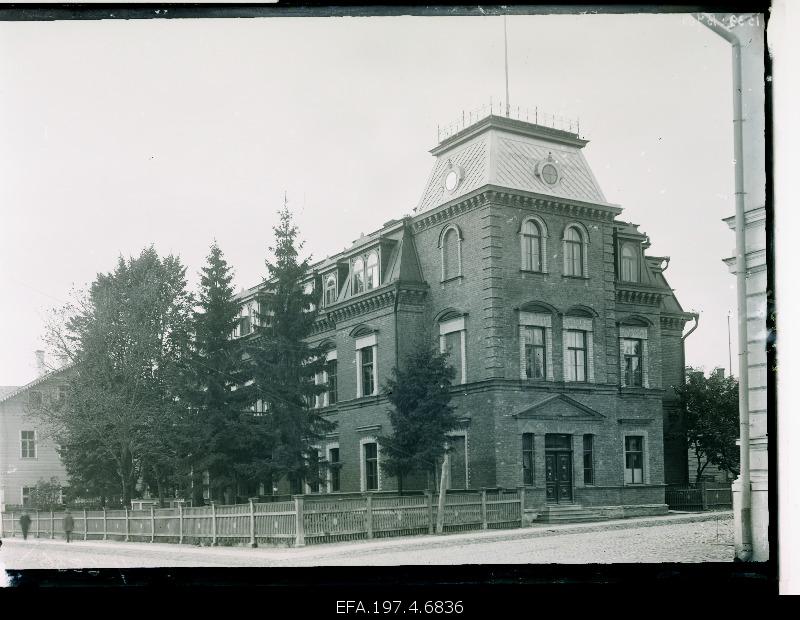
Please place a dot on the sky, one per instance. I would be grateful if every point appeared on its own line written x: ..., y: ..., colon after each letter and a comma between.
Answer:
x: 118, y: 134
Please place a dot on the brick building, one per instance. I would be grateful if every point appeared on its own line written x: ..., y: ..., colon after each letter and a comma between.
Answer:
x: 564, y: 333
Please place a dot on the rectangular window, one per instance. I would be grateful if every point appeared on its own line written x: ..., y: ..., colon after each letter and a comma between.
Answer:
x: 532, y: 252
x: 335, y: 466
x: 313, y: 470
x: 452, y: 345
x: 588, y: 459
x: 576, y: 356
x: 28, y: 444
x: 27, y: 492
x: 371, y: 466
x: 534, y: 352
x: 333, y: 393
x: 245, y: 326
x: 632, y: 361
x: 527, y: 458
x: 634, y: 460
x: 367, y: 355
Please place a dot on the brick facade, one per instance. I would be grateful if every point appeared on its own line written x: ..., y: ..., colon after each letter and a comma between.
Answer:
x: 492, y: 291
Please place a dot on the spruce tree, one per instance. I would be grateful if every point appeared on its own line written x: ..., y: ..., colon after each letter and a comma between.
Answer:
x: 213, y: 431
x: 421, y: 414
x: 284, y: 364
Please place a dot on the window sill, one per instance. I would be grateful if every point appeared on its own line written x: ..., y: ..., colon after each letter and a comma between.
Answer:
x: 532, y: 272
x: 453, y: 279
x: 566, y: 277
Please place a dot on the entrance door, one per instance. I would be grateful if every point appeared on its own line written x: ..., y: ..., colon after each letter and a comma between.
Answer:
x: 558, y: 469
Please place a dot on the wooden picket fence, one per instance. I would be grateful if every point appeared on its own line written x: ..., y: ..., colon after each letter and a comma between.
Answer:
x: 307, y: 519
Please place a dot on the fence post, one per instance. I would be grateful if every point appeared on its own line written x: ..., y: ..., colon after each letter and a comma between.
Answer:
x: 105, y: 524
x: 52, y: 525
x: 213, y: 523
x: 300, y: 535
x: 252, y: 524
x: 127, y: 525
x: 180, y: 523
x: 521, y: 506
x: 37, y: 523
x: 152, y: 523
x: 703, y: 498
x: 369, y: 515
x: 85, y: 525
x: 13, y: 523
x: 429, y: 505
x: 484, y: 520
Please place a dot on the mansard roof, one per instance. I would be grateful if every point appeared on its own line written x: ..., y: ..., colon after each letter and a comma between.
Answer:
x: 506, y: 152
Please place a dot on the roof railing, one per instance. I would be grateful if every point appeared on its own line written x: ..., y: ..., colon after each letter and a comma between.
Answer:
x: 499, y: 108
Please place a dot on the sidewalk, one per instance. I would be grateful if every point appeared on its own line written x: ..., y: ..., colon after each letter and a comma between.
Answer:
x: 386, y: 544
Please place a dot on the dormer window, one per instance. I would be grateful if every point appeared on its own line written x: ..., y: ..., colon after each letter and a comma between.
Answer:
x: 366, y: 273
x: 628, y: 264
x: 331, y: 291
x: 358, y: 276
x: 372, y: 270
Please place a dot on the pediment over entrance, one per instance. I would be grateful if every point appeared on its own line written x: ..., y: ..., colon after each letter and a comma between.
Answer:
x: 559, y: 407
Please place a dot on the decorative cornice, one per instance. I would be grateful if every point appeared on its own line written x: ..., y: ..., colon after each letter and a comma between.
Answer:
x: 516, y: 198
x: 675, y: 321
x: 636, y: 421
x: 632, y: 294
x: 411, y: 293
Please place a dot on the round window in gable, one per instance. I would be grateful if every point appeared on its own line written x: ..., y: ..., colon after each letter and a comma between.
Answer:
x: 548, y: 170
x: 452, y: 178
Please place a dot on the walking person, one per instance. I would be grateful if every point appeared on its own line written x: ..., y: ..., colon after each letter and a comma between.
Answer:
x: 69, y: 524
x: 25, y: 524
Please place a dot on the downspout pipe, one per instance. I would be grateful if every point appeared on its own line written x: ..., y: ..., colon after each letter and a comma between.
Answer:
x: 741, y: 282
x: 696, y: 318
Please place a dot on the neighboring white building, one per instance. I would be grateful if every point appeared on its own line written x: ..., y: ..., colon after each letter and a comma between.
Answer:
x: 749, y: 31
x: 26, y: 453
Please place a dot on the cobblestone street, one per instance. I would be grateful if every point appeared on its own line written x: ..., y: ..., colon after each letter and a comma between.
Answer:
x: 676, y: 538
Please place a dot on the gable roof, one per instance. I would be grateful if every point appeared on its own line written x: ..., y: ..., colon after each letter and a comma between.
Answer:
x: 558, y: 407
x: 38, y: 381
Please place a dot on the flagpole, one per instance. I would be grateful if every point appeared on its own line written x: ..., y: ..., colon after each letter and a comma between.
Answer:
x: 505, y: 48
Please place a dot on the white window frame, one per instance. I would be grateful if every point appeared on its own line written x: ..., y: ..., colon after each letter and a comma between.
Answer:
x: 450, y: 327
x: 325, y: 289
x: 363, y: 461
x: 459, y: 239
x: 362, y: 343
x: 585, y: 325
x: 35, y: 444
x: 377, y: 282
x: 542, y: 239
x: 645, y: 457
x: 634, y: 333
x: 534, y: 319
x: 22, y: 495
x: 635, y: 263
x: 584, y: 235
x: 329, y: 474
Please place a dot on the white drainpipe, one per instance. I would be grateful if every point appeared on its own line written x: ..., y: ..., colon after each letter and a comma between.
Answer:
x: 741, y: 282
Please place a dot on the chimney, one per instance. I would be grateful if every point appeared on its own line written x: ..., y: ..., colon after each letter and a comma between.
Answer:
x: 40, y: 367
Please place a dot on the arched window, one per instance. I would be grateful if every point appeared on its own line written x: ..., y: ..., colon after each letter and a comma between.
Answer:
x: 628, y: 264
x: 372, y: 271
x: 533, y: 241
x: 330, y: 290
x: 358, y: 276
x: 451, y: 253
x: 575, y: 242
